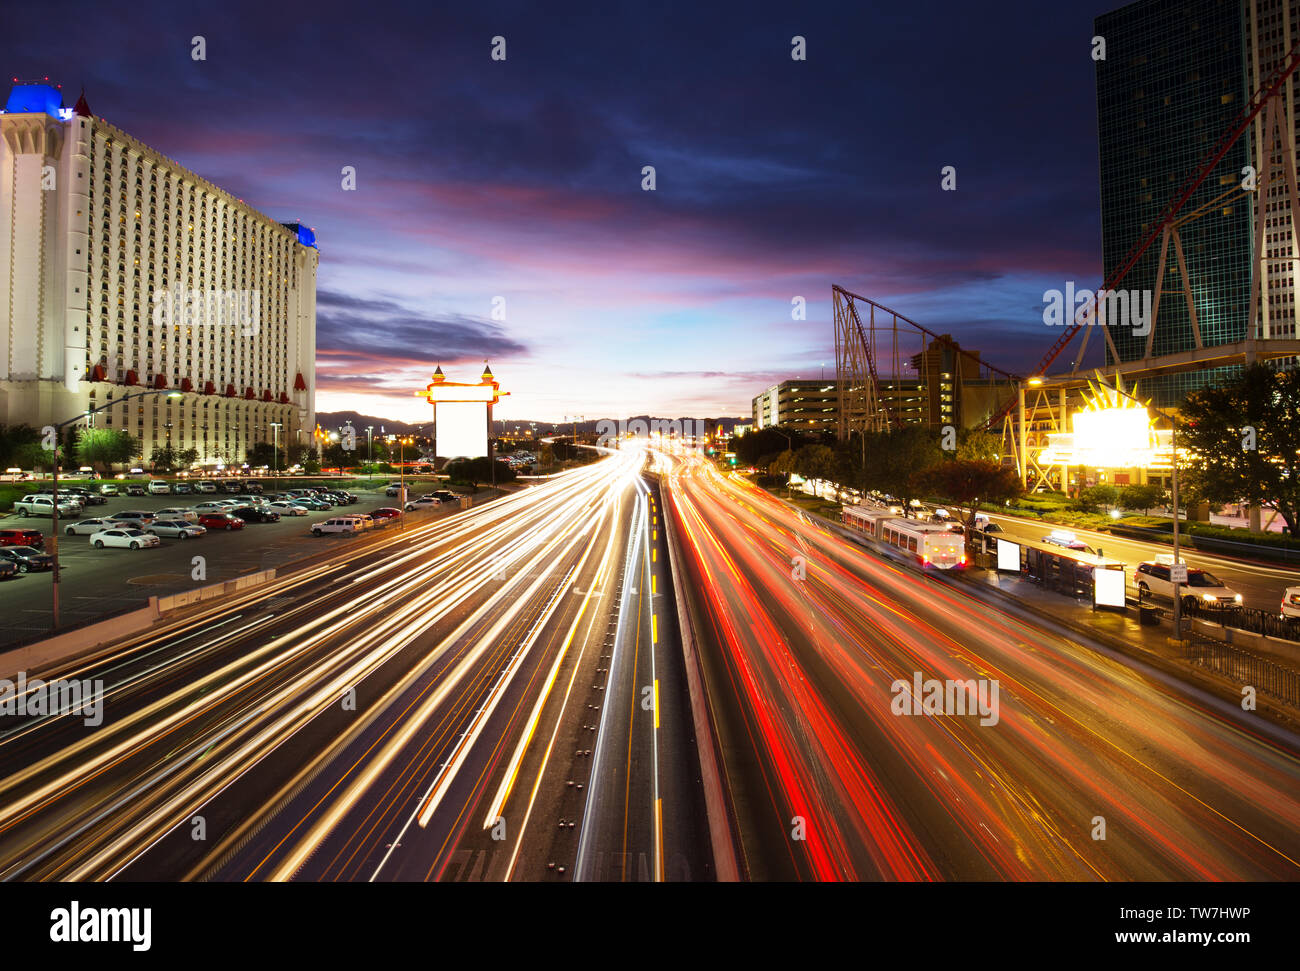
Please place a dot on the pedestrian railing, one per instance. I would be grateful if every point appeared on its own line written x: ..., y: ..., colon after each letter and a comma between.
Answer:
x: 1243, y: 667
x: 1250, y: 619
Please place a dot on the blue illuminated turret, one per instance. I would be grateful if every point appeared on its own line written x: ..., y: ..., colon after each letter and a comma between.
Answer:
x: 306, y: 235
x: 27, y: 97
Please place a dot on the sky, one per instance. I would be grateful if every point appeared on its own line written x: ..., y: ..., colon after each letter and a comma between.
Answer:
x: 499, y: 212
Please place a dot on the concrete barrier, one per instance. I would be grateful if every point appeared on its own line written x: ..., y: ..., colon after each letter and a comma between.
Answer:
x: 175, y: 601
x: 34, y: 658
x: 716, y: 798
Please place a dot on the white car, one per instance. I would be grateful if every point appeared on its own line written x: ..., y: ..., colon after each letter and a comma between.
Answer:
x: 127, y: 537
x: 177, y: 512
x: 424, y: 502
x: 132, y: 517
x: 205, y: 485
x: 87, y: 526
x: 287, y: 508
x: 175, y: 528
x: 108, y: 489
x: 1202, y: 585
x: 337, y: 525
x: 159, y: 487
x: 1291, y: 602
x: 366, y: 521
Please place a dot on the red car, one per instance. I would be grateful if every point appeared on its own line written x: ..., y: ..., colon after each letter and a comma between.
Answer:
x: 22, y: 537
x: 386, y: 512
x: 220, y: 520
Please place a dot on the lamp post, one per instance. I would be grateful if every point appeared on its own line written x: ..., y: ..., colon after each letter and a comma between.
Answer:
x: 1173, y: 490
x: 370, y: 450
x: 402, y: 442
x: 54, y: 512
x: 275, y: 453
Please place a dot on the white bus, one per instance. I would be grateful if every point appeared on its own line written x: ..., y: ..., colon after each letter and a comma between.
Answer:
x: 929, y: 544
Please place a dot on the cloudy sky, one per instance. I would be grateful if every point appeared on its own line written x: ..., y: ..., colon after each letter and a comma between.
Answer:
x: 522, y: 179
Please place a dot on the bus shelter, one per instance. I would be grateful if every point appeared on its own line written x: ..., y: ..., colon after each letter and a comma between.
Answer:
x: 1074, y: 573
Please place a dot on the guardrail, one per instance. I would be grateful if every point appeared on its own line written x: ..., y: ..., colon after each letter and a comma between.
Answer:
x: 1250, y: 619
x: 1244, y: 667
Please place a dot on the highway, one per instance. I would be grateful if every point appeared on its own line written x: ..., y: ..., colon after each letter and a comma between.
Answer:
x: 1090, y: 769
x: 432, y: 708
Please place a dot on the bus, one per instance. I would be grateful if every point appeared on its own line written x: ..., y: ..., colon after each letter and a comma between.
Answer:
x: 928, y: 544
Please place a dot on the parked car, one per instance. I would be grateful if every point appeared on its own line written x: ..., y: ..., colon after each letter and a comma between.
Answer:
x: 393, y: 489
x: 424, y: 502
x: 86, y: 497
x: 311, y: 502
x: 177, y: 512
x: 44, y: 506
x: 28, y: 559
x: 384, y: 513
x: 1202, y: 586
x: 84, y: 527
x: 220, y: 520
x: 22, y: 537
x: 175, y: 528
x: 182, y: 488
x: 205, y: 485
x: 159, y: 487
x: 286, y: 508
x: 135, y: 489
x: 132, y: 517
x: 127, y: 537
x: 1291, y: 602
x: 367, y: 522
x: 337, y: 525
x: 230, y: 486
x: 8, y: 570
x: 256, y: 514
x: 446, y: 495
x: 108, y: 489
x: 216, y: 505
x: 252, y: 488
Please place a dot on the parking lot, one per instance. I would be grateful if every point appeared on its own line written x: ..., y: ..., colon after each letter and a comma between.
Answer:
x: 96, y: 582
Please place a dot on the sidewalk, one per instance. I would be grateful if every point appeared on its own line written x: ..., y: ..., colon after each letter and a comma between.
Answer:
x: 1121, y: 631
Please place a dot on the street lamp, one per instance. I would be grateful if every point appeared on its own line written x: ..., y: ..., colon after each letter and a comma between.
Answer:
x: 1173, y: 489
x: 402, y: 442
x: 370, y: 453
x: 54, y: 512
x: 275, y: 453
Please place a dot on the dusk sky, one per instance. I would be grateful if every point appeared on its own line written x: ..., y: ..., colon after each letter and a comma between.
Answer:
x: 522, y: 178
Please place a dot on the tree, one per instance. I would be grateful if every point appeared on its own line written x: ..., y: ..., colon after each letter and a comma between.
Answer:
x: 815, y: 462
x: 980, y: 446
x: 897, y: 461
x: 103, y: 448
x: 265, y: 453
x: 33, y: 456
x: 758, y: 447
x: 782, y: 464
x: 187, y: 457
x: 164, y: 459
x: 13, y: 439
x: 1142, y: 497
x: 471, y: 472
x: 1242, y: 441
x: 970, y: 483
x: 1106, y: 496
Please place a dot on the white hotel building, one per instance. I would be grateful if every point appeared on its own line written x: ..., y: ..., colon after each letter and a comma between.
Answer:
x: 97, y: 232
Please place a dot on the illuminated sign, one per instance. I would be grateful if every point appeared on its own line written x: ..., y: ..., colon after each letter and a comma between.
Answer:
x: 1110, y: 432
x: 462, y: 413
x: 1108, y: 587
x: 1008, y: 556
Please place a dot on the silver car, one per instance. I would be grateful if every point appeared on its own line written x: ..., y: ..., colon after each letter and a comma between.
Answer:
x: 175, y: 528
